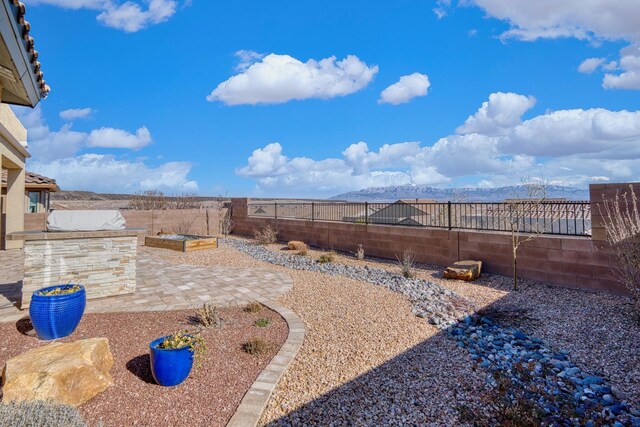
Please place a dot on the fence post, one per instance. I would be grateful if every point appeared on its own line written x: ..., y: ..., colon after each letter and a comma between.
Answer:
x: 449, y: 214
x: 275, y: 210
x: 313, y: 211
x: 366, y: 212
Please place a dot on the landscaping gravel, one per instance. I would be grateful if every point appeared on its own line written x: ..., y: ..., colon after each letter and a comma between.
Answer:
x: 565, y: 394
x: 365, y: 355
x: 209, y: 396
x: 328, y: 384
x: 429, y: 300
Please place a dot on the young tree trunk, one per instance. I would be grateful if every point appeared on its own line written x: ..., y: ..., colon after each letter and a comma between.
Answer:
x: 515, y: 271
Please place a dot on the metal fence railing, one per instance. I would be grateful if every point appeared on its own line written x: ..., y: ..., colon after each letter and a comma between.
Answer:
x: 547, y: 217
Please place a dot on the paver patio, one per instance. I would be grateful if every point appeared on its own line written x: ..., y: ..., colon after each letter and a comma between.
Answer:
x: 160, y: 286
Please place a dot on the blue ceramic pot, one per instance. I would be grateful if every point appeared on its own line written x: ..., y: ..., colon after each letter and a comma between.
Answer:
x: 170, y: 366
x: 56, y: 316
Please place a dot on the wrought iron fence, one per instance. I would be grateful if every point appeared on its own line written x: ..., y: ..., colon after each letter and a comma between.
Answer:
x: 547, y: 217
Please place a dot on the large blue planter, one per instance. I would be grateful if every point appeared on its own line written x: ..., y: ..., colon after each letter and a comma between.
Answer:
x: 170, y: 366
x: 56, y: 316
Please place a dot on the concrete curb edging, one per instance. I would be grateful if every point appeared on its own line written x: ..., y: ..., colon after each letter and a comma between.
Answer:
x: 255, y: 400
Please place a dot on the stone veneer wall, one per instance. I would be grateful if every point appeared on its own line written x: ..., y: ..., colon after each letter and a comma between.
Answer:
x: 106, y: 266
x: 574, y: 262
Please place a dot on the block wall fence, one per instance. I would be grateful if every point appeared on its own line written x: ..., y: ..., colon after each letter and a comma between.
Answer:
x: 574, y: 262
x: 201, y: 221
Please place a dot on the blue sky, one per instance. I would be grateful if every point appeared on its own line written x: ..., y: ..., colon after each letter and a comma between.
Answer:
x: 220, y: 97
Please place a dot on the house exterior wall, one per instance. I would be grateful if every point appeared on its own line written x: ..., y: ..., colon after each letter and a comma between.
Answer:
x: 574, y: 262
x: 12, y: 158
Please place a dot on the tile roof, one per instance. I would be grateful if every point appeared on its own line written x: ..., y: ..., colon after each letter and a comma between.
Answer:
x: 29, y: 44
x: 34, y: 179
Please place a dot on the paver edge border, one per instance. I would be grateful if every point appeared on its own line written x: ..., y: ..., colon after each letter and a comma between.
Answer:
x: 254, y: 402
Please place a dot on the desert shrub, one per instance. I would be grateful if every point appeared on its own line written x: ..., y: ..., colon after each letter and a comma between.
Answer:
x: 39, y: 414
x: 303, y: 252
x: 266, y: 235
x: 263, y: 322
x: 622, y: 225
x: 208, y: 316
x: 64, y: 290
x: 360, y: 252
x: 327, y: 257
x: 182, y: 339
x: 256, y: 347
x: 407, y: 263
x: 183, y: 227
x: 253, y: 307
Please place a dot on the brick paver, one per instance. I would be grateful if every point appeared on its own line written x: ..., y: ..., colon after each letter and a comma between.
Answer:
x: 159, y: 286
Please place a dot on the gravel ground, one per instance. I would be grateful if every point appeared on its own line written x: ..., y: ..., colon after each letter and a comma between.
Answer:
x: 365, y: 356
x: 208, y: 397
x: 598, y: 331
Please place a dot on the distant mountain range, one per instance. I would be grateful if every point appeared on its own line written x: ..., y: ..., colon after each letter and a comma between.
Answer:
x: 498, y: 194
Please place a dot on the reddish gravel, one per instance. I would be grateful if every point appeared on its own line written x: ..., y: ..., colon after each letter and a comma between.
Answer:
x: 208, y: 397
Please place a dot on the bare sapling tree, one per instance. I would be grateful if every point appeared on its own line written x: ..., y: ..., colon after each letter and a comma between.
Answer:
x: 226, y: 220
x: 526, y: 217
x: 622, y: 225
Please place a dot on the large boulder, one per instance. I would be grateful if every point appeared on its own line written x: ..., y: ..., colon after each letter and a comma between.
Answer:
x: 65, y: 373
x: 296, y: 245
x: 463, y: 270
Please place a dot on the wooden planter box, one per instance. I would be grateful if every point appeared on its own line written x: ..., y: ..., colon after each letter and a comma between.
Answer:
x: 190, y: 243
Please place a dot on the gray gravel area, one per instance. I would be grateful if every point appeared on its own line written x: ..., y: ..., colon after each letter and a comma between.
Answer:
x: 441, y: 306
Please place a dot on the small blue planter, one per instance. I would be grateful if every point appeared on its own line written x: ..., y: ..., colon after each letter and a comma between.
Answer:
x: 56, y: 316
x: 170, y: 366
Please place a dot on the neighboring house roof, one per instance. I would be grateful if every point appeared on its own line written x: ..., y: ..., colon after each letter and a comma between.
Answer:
x: 34, y: 181
x: 20, y: 73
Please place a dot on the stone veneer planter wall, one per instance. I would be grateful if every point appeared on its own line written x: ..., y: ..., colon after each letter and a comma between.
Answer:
x: 103, y: 261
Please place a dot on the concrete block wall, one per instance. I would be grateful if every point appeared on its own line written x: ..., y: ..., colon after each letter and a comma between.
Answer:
x: 575, y: 262
x: 201, y: 221
x: 106, y: 266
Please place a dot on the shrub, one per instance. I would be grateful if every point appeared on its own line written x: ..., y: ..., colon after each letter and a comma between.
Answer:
x: 63, y: 290
x: 622, y: 224
x: 253, y: 307
x: 266, y: 235
x: 360, y: 252
x: 208, y: 316
x: 303, y: 252
x: 256, y: 347
x: 40, y: 414
x: 263, y: 322
x: 327, y: 257
x: 407, y: 263
x: 182, y: 339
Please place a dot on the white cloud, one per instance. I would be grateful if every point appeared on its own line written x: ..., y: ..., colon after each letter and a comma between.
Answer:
x: 281, y: 78
x: 593, y: 20
x: 118, y: 138
x: 128, y: 16
x: 582, y: 19
x: 500, y: 113
x: 57, y: 154
x: 494, y: 147
x: 590, y: 65
x: 630, y: 64
x: 600, y: 132
x: 246, y: 58
x: 407, y: 88
x: 105, y: 173
x: 76, y: 113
